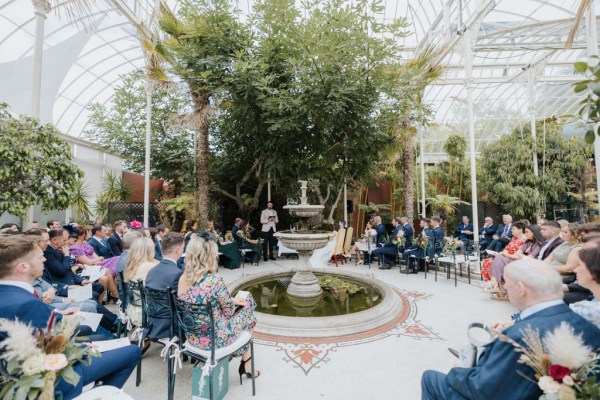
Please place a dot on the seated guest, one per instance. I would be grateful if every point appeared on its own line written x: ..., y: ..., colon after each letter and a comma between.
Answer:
x: 230, y: 256
x: 588, y: 276
x: 509, y: 252
x: 437, y: 237
x: 535, y: 289
x: 161, y: 231
x: 35, y: 224
x: 418, y: 248
x: 128, y: 239
x: 380, y: 229
x: 389, y: 248
x: 53, y: 224
x: 366, y: 243
x: 57, y: 267
x: 115, y: 240
x: 200, y: 284
x: 564, y: 257
x: 86, y: 255
x: 551, y: 233
x: 247, y: 240
x: 139, y: 262
x: 10, y: 227
x: 236, y: 227
x: 99, y: 243
x: 486, y: 233
x: 165, y: 275
x: 530, y: 248
x: 574, y: 292
x: 561, y: 222
x: 408, y: 232
x: 22, y: 262
x: 503, y: 234
x: 464, y: 230
x: 189, y: 227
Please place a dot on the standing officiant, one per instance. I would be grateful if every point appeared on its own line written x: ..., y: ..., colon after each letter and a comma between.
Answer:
x: 268, y: 219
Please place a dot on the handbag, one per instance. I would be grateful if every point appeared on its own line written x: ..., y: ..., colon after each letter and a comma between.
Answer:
x: 480, y: 336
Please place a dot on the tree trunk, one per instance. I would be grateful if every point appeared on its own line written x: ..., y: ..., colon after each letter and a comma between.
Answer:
x: 408, y: 159
x: 202, y: 111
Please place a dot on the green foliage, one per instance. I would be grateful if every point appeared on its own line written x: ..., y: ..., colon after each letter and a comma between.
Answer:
x: 114, y: 189
x: 338, y: 285
x: 453, y: 177
x: 121, y: 128
x: 80, y: 200
x: 589, y: 111
x: 36, y: 166
x: 506, y: 169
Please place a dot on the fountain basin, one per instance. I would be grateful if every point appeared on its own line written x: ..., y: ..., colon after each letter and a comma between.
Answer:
x: 304, y: 240
x: 383, y: 313
x: 304, y: 210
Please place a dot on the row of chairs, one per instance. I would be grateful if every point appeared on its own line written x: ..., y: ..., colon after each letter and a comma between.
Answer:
x: 183, y: 317
x: 343, y: 244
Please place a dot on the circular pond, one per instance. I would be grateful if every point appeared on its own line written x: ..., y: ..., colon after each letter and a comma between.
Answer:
x: 354, y: 303
x: 340, y: 296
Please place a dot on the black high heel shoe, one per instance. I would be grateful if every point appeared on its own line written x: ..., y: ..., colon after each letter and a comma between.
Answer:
x: 242, y: 370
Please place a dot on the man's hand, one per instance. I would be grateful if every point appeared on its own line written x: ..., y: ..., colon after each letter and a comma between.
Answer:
x: 86, y: 282
x: 65, y: 250
x: 48, y: 297
x: 495, y: 237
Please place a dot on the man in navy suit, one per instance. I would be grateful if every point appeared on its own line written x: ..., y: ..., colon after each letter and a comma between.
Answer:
x: 161, y: 231
x: 115, y: 240
x: 22, y: 261
x: 57, y: 267
x: 236, y: 227
x: 389, y: 248
x: 417, y: 251
x: 486, y: 233
x: 99, y: 243
x: 437, y: 237
x: 536, y: 290
x: 464, y: 230
x: 165, y: 275
x: 550, y: 232
x: 503, y: 234
x: 408, y: 232
x: 380, y: 229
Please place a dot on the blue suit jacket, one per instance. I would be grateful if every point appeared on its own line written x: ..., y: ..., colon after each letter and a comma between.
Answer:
x: 381, y: 234
x: 408, y: 235
x: 100, y: 250
x: 496, y: 376
x: 157, y: 249
x: 500, y: 230
x: 461, y: 227
x: 390, y: 242
x: 23, y: 305
x: 488, y: 232
x: 57, y: 268
x: 164, y: 275
x: 115, y: 244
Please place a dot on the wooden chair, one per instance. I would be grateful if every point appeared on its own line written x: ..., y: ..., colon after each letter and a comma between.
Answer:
x: 338, y: 250
x: 348, y: 240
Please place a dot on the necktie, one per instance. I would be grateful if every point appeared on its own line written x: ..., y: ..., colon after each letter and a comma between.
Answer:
x: 505, y: 231
x: 36, y: 295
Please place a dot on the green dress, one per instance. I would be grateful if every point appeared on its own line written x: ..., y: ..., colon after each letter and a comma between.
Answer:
x: 230, y: 256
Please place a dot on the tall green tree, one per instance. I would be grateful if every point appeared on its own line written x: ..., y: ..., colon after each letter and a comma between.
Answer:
x: 36, y: 166
x: 120, y: 127
x: 506, y: 168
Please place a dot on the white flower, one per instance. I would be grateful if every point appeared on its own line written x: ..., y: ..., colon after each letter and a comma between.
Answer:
x: 19, y: 343
x: 34, y: 364
x: 55, y: 362
x: 565, y: 348
x: 548, y: 385
x: 568, y: 380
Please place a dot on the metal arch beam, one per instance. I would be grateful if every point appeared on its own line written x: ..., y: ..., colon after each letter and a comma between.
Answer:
x: 501, y: 80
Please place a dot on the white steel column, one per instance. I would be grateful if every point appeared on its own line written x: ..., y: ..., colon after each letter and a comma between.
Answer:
x: 469, y: 81
x: 346, y: 203
x: 269, y: 186
x: 41, y: 10
x: 531, y: 109
x: 593, y: 51
x: 423, y: 194
x: 147, y: 158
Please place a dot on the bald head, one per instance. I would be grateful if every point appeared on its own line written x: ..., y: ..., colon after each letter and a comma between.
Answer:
x: 530, y: 282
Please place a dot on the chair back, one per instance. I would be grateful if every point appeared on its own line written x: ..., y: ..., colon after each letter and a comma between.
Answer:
x: 339, y: 242
x: 122, y: 288
x: 157, y: 304
x: 191, y: 317
x: 348, y: 240
x: 135, y: 297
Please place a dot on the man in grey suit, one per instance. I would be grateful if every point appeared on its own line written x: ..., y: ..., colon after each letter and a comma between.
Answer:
x: 164, y: 276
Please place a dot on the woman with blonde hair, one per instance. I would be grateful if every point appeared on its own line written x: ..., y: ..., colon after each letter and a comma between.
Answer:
x: 564, y: 258
x: 198, y: 285
x: 140, y: 261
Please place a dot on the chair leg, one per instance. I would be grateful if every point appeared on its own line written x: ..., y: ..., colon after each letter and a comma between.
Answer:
x: 252, y: 367
x: 138, y: 374
x: 170, y: 376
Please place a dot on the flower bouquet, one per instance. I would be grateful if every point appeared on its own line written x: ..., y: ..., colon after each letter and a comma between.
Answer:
x: 423, y: 241
x: 451, y: 245
x: 399, y: 240
x: 32, y: 364
x: 564, y: 366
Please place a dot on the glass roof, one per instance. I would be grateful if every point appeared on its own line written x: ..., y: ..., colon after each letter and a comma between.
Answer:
x: 516, y: 40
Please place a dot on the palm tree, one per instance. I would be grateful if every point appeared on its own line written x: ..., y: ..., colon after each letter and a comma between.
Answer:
x: 80, y: 200
x: 444, y: 205
x: 198, y: 50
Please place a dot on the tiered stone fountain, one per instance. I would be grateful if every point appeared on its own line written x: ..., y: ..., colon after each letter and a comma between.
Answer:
x: 304, y: 284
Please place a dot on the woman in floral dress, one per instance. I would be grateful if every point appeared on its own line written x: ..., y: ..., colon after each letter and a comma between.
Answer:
x: 199, y: 284
x: 511, y: 248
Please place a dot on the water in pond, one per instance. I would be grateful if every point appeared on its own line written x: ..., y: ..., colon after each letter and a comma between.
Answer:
x: 340, y: 296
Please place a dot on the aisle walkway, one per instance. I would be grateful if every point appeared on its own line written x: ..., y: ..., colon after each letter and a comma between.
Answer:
x: 385, y: 366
